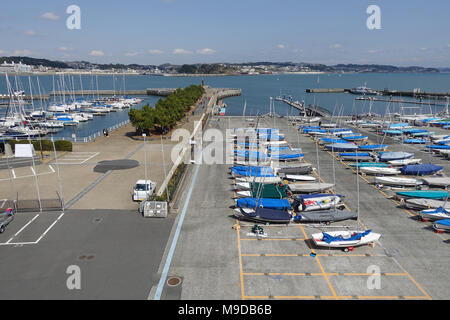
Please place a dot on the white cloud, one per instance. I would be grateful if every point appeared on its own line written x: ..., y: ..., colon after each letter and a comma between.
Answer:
x: 63, y: 49
x: 424, y: 49
x: 29, y: 33
x: 97, y: 53
x: 49, y: 16
x: 181, y: 51
x: 2, y: 51
x: 281, y: 46
x: 155, y: 51
x: 24, y: 52
x: 372, y: 51
x: 206, y: 51
x: 131, y: 54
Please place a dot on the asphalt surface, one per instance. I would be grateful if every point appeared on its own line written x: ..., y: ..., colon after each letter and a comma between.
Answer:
x: 219, y: 262
x: 117, y: 252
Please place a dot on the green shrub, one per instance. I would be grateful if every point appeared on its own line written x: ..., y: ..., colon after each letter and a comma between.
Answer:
x: 47, y: 145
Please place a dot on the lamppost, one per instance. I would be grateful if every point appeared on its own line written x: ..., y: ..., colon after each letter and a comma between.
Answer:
x: 145, y: 161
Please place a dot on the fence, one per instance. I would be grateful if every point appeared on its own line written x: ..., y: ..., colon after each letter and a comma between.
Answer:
x: 95, y: 135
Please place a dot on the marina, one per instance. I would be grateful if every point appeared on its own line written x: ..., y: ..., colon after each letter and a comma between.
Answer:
x: 319, y: 248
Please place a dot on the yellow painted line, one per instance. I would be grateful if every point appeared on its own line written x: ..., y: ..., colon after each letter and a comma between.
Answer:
x: 294, y: 297
x: 281, y: 255
x: 274, y: 239
x: 379, y: 297
x: 255, y: 297
x: 250, y: 255
x: 370, y: 274
x: 320, y: 265
x: 240, y: 261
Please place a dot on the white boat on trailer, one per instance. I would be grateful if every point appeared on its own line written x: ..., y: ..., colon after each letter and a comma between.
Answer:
x: 379, y: 170
x: 404, y: 162
x: 345, y: 239
x: 397, y: 181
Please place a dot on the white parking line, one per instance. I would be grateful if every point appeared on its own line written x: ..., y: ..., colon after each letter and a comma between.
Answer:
x: 48, y: 229
x: 32, y: 175
x: 13, y: 173
x: 23, y: 228
x: 77, y: 158
x: 3, y: 203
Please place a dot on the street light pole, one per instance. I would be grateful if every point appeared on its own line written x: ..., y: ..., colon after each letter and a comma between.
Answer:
x: 145, y: 161
x: 164, y: 168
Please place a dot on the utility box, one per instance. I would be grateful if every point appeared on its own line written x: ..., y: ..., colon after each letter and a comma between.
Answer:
x: 153, y: 209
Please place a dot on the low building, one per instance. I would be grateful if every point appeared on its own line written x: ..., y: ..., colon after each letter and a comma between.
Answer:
x: 14, y: 67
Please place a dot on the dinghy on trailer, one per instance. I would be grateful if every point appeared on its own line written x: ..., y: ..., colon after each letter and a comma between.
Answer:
x: 278, y: 204
x: 437, y: 181
x: 423, y: 194
x: 421, y: 169
x: 263, y: 215
x: 435, y: 214
x: 404, y: 162
x: 374, y: 147
x: 397, y: 181
x: 390, y: 156
x: 369, y: 164
x: 268, y: 180
x: 379, y: 170
x: 325, y: 216
x: 420, y: 204
x: 442, y: 225
x: 345, y: 238
x: 294, y: 171
x: 337, y: 147
x: 309, y: 187
x: 296, y: 177
x: 317, y: 202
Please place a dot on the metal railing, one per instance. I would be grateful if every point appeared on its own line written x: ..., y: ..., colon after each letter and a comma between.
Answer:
x: 95, y: 135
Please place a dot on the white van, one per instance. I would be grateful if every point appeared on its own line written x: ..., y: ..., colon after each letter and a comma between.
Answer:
x: 143, y: 189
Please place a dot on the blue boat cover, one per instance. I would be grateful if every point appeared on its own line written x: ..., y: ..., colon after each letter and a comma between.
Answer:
x: 438, y: 210
x: 329, y: 238
x: 277, y: 148
x: 278, y: 204
x: 285, y: 156
x: 373, y: 146
x: 355, y: 137
x: 445, y: 222
x: 438, y: 147
x: 253, y: 171
x: 415, y: 141
x: 420, y: 169
x: 354, y: 154
x: 331, y: 140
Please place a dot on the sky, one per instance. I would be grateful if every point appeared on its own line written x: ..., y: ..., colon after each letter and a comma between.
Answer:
x: 413, y: 32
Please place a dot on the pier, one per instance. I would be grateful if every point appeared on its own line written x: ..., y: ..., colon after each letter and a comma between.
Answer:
x: 387, y: 92
x: 161, y: 92
x: 314, y: 111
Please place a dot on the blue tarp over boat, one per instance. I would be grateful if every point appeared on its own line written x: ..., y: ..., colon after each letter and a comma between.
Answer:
x: 253, y: 171
x: 354, y: 154
x: 420, y: 169
x: 329, y: 238
x: 278, y: 204
x: 439, y: 147
x: 331, y: 140
x: 374, y: 147
x: 415, y: 141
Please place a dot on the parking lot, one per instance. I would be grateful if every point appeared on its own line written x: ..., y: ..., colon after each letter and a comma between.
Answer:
x: 286, y: 265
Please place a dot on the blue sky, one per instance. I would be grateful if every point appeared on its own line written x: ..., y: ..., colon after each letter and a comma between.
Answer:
x: 414, y: 32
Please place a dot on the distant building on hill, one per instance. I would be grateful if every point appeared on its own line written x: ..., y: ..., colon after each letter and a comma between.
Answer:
x: 14, y: 67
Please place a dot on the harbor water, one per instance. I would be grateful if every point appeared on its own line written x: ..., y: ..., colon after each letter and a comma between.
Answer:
x: 256, y: 91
